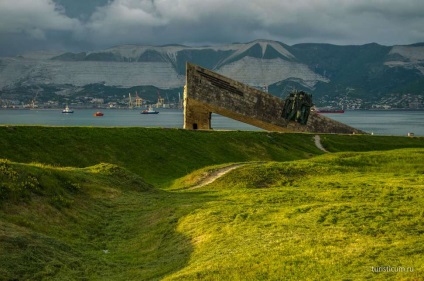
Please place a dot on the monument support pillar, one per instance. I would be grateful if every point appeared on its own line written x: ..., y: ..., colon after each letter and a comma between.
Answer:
x: 196, y: 115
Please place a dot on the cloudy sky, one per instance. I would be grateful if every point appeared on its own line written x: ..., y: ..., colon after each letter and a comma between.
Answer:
x: 84, y: 25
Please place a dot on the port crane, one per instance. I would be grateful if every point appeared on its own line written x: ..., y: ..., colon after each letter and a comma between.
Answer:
x: 161, y: 101
x: 33, y: 105
x: 130, y: 103
x: 138, y: 100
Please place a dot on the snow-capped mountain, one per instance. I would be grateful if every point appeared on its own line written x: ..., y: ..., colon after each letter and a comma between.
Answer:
x: 323, y: 69
x: 256, y: 63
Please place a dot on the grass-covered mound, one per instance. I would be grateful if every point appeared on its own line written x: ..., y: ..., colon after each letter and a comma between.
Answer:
x: 162, y: 155
x: 334, y: 217
x: 275, y: 217
x: 157, y: 155
x: 54, y: 222
x: 337, y: 143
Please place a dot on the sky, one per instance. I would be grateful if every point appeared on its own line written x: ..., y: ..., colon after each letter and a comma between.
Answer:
x: 87, y: 25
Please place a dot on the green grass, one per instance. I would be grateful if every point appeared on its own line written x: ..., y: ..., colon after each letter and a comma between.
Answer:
x: 94, y: 204
x: 96, y: 223
x: 336, y: 143
x: 158, y: 155
x: 330, y: 218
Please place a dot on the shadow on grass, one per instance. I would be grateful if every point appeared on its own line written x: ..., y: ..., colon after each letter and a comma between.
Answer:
x: 132, y: 236
x: 146, y: 244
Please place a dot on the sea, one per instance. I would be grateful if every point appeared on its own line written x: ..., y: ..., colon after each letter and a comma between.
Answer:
x: 387, y: 122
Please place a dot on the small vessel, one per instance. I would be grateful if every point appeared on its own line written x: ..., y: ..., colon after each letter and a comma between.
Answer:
x: 98, y: 113
x: 149, y: 110
x: 67, y: 110
x: 328, y: 110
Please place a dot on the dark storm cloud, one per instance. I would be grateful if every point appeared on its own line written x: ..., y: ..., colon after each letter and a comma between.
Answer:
x: 81, y: 9
x: 78, y: 24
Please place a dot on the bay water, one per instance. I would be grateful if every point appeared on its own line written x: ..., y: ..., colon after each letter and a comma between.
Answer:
x: 391, y: 122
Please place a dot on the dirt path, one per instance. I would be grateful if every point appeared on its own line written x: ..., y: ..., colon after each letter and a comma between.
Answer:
x: 319, y: 144
x: 215, y: 175
x: 220, y: 172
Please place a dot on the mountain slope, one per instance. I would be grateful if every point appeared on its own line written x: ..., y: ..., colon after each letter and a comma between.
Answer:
x: 371, y: 71
x: 163, y: 67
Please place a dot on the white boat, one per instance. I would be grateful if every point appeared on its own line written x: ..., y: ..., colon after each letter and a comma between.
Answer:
x: 67, y: 110
x: 149, y: 110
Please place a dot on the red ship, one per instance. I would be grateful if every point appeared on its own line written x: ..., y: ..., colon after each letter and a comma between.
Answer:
x: 98, y: 113
x: 327, y: 110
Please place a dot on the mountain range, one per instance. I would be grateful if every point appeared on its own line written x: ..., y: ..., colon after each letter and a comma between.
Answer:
x: 369, y: 72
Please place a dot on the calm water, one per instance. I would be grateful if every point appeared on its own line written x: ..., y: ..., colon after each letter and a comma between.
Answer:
x: 377, y: 122
x: 397, y: 123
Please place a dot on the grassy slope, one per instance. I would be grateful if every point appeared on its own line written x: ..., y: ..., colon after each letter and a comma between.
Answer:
x: 333, y: 217
x: 264, y: 221
x: 158, y: 155
x: 52, y: 219
x: 336, y: 143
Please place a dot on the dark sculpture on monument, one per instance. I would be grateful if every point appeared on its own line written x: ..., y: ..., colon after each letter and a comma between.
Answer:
x: 297, y: 107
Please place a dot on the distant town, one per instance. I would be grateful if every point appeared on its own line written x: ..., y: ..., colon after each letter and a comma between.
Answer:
x: 130, y: 101
x: 388, y: 102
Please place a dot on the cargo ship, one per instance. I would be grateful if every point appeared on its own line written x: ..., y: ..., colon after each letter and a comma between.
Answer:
x: 327, y: 110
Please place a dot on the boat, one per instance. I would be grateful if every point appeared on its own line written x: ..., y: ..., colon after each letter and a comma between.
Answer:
x: 327, y: 110
x: 149, y: 110
x: 98, y: 113
x: 67, y: 110
x: 330, y: 111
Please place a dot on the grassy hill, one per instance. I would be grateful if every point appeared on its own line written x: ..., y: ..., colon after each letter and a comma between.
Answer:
x: 157, y: 155
x: 116, y: 204
x: 333, y: 217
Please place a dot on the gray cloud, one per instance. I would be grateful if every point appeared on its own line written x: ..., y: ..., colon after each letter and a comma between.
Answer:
x: 34, y: 18
x: 71, y: 24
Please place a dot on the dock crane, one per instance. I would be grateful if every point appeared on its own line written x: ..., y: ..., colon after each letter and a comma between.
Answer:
x: 33, y: 105
x: 130, y: 103
x: 138, y: 100
x: 161, y: 100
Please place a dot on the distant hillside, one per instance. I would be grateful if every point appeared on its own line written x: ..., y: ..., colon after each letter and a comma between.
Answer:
x: 368, y: 72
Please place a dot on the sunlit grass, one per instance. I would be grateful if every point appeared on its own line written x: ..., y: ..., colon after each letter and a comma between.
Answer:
x: 158, y: 155
x: 75, y: 203
x: 315, y: 220
x: 90, y: 223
